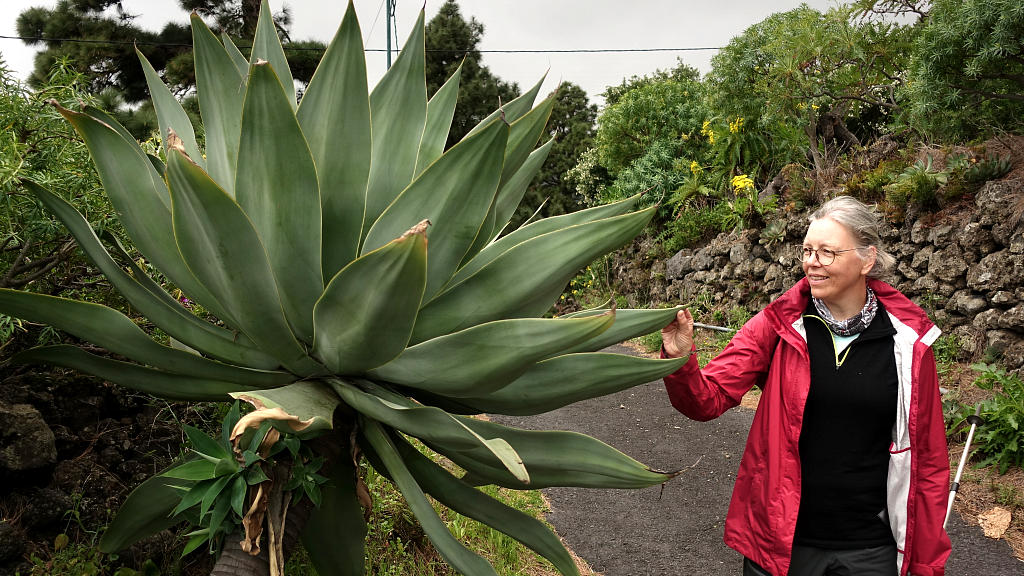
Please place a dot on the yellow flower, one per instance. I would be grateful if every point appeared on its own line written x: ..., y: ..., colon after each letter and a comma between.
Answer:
x: 694, y: 167
x: 815, y: 106
x: 742, y: 182
x: 735, y: 125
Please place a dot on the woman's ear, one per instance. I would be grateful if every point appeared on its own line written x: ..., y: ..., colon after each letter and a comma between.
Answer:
x: 869, y: 260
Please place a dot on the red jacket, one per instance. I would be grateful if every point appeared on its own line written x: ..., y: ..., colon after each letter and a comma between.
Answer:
x: 770, y: 351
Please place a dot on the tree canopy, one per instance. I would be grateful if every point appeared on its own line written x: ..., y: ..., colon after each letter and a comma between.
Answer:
x: 968, y: 71
x: 103, y: 39
x: 824, y: 73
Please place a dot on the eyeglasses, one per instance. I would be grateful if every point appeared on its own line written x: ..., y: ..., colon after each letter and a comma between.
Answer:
x: 826, y: 256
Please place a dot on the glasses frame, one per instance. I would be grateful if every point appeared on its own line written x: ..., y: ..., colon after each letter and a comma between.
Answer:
x: 807, y: 253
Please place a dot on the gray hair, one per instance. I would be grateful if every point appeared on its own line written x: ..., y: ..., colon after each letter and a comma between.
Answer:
x: 863, y: 224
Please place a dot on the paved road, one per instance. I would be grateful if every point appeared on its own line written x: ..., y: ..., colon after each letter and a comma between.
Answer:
x: 676, y: 530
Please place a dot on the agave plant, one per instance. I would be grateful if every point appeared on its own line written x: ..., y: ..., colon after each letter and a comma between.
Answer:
x: 302, y: 227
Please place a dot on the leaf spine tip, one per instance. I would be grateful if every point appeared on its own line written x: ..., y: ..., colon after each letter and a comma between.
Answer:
x: 174, y: 142
x: 420, y: 228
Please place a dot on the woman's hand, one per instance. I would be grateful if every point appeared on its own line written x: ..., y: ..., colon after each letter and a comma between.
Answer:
x: 677, y: 337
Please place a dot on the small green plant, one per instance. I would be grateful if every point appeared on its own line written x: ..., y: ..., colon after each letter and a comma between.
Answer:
x: 649, y: 342
x: 917, y: 185
x: 68, y: 558
x: 738, y: 316
x: 1008, y: 495
x: 870, y: 186
x: 988, y: 169
x: 217, y: 477
x: 774, y: 233
x: 746, y: 209
x: 1000, y: 437
x: 948, y: 349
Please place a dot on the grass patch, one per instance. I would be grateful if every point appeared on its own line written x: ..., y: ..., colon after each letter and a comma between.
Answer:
x: 397, y: 546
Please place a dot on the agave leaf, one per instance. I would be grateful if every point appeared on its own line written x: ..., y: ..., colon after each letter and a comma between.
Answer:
x: 440, y: 112
x: 398, y: 112
x: 562, y: 380
x: 454, y: 553
x: 198, y: 469
x: 425, y: 422
x: 472, y: 503
x: 146, y: 511
x: 543, y: 226
x: 524, y: 135
x: 628, y: 324
x: 149, y: 284
x: 333, y: 551
x: 148, y: 380
x: 165, y: 312
x: 311, y: 402
x: 114, y: 331
x: 454, y: 193
x: 211, y: 494
x: 484, y: 358
x: 335, y: 115
x: 606, y: 305
x: 554, y: 458
x: 169, y: 113
x: 205, y: 445
x: 526, y: 279
x: 511, y: 111
x: 513, y: 190
x: 254, y: 358
x: 221, y: 91
x: 356, y: 328
x: 140, y: 197
x: 220, y: 513
x: 111, y: 122
x: 267, y: 46
x: 241, y: 62
x: 194, y: 494
x: 276, y: 186
x: 224, y: 251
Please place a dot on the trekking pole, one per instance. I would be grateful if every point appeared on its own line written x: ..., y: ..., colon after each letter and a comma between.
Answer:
x: 710, y: 327
x: 974, y: 420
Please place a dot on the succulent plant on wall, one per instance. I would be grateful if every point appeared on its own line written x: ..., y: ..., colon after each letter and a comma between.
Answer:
x: 303, y: 227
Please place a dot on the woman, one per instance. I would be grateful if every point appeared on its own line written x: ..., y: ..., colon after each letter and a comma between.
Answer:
x: 846, y: 470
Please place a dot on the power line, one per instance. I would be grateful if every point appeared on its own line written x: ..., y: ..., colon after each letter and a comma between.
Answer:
x: 307, y: 49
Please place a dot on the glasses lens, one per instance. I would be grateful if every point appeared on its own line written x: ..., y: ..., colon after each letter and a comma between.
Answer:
x: 825, y: 256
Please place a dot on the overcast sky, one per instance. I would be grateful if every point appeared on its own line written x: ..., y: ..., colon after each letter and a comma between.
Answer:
x: 508, y: 25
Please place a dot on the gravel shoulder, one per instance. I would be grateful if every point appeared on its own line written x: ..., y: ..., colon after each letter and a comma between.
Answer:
x: 676, y: 529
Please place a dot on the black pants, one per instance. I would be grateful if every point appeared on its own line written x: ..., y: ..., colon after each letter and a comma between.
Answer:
x: 810, y: 561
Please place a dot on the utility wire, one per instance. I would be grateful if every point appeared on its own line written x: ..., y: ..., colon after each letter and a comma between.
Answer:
x: 304, y: 49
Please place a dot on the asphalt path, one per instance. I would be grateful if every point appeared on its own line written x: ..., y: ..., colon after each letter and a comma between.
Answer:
x: 676, y: 529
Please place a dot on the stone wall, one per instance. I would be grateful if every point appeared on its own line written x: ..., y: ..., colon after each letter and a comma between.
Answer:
x: 965, y: 266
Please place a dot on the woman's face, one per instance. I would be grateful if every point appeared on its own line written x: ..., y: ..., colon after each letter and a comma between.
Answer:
x: 845, y: 278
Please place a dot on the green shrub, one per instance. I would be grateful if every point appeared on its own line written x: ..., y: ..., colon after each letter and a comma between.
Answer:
x: 1000, y: 436
x: 693, y: 225
x: 869, y: 186
x: 916, y: 186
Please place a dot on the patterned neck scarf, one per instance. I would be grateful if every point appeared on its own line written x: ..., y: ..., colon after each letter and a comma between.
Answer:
x: 853, y: 325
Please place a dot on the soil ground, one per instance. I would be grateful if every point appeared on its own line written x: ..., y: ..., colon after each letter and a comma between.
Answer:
x: 676, y: 529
